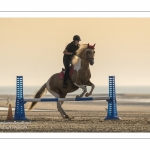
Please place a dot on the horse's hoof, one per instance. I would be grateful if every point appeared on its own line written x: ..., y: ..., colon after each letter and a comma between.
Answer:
x: 77, y: 96
x: 87, y: 94
x: 66, y: 116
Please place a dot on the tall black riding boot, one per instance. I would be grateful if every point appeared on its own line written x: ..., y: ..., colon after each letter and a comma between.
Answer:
x: 64, y: 82
x: 64, y: 85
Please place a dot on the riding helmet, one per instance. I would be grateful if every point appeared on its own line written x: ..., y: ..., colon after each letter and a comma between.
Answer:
x: 76, y: 38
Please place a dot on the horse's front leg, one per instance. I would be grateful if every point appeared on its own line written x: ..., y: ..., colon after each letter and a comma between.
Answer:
x: 89, y: 83
x: 83, y: 87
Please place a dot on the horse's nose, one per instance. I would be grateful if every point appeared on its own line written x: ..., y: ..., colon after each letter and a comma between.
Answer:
x: 92, y: 61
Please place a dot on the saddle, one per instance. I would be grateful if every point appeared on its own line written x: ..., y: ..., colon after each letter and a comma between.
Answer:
x: 61, y: 74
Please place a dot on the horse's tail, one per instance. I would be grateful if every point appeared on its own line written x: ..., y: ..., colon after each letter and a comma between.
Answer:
x: 38, y: 95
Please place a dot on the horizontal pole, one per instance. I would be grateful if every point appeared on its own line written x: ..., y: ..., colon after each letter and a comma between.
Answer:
x: 64, y: 99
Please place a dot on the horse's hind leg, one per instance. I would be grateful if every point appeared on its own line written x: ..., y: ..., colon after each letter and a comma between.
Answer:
x: 61, y: 103
x: 56, y: 93
x: 62, y: 112
x: 60, y: 108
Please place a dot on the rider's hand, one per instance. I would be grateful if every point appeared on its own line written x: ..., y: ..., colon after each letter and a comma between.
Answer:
x: 74, y: 53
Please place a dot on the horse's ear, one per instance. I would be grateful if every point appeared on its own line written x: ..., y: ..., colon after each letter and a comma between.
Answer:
x: 94, y: 45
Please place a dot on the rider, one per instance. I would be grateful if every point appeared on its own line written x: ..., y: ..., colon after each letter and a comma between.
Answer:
x: 69, y: 52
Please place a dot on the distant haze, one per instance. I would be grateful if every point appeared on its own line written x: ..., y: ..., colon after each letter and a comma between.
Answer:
x: 34, y: 48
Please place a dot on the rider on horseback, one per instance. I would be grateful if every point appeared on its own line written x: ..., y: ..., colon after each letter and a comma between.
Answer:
x: 69, y: 52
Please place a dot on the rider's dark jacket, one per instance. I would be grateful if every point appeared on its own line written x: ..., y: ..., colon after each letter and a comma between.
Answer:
x: 71, y: 47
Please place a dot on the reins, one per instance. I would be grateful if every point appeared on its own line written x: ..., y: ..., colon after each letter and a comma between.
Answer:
x: 84, y: 58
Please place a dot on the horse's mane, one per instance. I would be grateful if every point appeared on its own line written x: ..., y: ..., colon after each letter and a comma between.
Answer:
x: 80, y: 49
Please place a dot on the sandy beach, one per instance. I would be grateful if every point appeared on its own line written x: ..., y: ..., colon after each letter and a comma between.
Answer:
x: 85, y: 116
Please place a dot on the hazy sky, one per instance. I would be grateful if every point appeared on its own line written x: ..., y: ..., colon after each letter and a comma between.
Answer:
x: 33, y: 48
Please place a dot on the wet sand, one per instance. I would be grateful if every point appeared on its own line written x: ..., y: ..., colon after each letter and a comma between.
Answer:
x: 85, y: 117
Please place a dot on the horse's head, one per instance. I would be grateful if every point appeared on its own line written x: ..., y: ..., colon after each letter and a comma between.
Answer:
x: 90, y: 53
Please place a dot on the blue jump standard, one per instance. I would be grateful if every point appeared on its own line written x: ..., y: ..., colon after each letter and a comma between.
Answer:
x: 112, y: 113
x: 19, y: 109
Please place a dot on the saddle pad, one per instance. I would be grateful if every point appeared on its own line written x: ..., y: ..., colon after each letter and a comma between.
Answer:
x: 61, y: 74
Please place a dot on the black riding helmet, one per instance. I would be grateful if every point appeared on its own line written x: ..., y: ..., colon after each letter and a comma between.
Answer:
x: 76, y: 38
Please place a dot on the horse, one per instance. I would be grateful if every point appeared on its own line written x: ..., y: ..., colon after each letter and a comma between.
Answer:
x: 80, y: 78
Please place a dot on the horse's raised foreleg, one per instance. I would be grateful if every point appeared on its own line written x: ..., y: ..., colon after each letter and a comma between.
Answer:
x: 89, y: 83
x: 83, y: 87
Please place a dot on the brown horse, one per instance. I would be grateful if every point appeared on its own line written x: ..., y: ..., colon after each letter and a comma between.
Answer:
x: 80, y: 78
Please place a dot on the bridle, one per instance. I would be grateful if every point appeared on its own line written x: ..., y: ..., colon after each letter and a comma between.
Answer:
x: 88, y: 59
